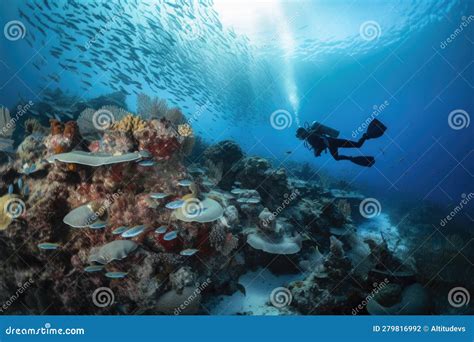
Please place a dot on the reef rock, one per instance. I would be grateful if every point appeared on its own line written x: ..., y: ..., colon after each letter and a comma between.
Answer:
x: 414, y: 301
x: 256, y: 173
x: 221, y: 157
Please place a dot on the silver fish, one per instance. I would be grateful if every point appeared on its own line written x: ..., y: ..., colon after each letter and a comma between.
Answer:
x: 158, y: 195
x: 161, y: 230
x: 93, y: 268
x: 188, y: 252
x: 116, y: 275
x: 175, y: 204
x: 98, y: 225
x: 170, y: 236
x: 185, y: 182
x: 147, y: 163
x: 119, y: 230
x: 207, y: 182
x: 48, y: 245
x: 132, y: 232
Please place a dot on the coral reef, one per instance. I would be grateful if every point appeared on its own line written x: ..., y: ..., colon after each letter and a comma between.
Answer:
x: 123, y: 211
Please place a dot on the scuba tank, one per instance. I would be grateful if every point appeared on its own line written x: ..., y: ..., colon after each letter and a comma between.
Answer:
x: 321, y: 130
x: 324, y: 130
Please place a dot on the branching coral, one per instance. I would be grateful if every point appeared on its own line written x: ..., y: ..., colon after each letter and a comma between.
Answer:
x: 129, y: 123
x: 185, y: 130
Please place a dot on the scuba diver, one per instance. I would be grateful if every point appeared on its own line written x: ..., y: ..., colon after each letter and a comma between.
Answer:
x: 321, y: 138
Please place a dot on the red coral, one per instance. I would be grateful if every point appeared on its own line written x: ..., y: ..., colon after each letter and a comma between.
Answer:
x: 159, y: 138
x: 86, y: 192
x: 160, y: 148
x: 174, y: 245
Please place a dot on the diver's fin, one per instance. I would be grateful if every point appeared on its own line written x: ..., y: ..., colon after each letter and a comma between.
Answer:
x: 376, y: 129
x: 363, y: 161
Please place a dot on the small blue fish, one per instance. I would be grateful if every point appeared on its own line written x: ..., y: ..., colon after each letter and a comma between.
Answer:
x: 161, y: 230
x: 158, y: 195
x: 48, y: 245
x: 20, y: 183
x: 116, y: 275
x: 26, y: 190
x: 98, y: 225
x: 132, y: 232
x: 146, y: 163
x: 185, y: 182
x: 236, y: 191
x: 170, y: 236
x: 188, y: 252
x: 10, y: 189
x: 196, y: 170
x: 93, y: 268
x: 175, y: 204
x: 119, y: 230
x: 207, y: 182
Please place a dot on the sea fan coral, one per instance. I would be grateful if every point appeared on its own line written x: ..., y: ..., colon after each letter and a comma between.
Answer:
x: 93, y: 122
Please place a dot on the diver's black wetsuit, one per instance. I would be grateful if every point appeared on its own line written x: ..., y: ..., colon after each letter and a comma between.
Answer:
x: 319, y: 144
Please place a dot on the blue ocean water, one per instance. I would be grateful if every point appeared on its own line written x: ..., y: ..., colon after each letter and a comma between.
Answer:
x: 231, y: 64
x: 252, y: 72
